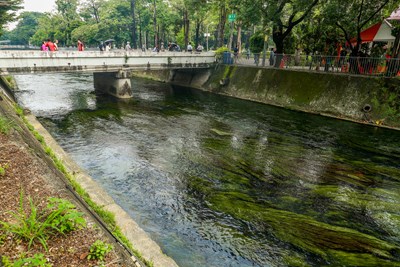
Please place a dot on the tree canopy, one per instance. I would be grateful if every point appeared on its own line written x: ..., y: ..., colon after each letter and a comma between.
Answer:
x: 310, y: 25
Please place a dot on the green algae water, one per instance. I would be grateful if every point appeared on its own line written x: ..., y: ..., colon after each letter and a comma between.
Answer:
x: 217, y: 181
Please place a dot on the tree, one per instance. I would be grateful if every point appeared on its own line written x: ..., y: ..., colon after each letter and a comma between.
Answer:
x: 68, y: 11
x: 25, y: 28
x: 133, y: 26
x: 283, y: 16
x: 352, y: 17
x: 7, y: 12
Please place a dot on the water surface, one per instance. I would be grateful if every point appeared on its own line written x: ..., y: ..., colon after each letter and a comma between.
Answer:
x: 218, y: 181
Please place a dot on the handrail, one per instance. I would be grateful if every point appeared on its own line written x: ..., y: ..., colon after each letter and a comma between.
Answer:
x: 370, y: 66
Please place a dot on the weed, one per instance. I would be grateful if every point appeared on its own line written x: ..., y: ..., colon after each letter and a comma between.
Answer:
x: 60, y: 216
x: 5, y: 125
x: 3, y: 169
x: 98, y: 250
x: 38, y: 260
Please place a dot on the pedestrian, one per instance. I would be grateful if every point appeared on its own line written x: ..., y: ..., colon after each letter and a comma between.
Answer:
x: 248, y: 53
x: 199, y: 48
x: 81, y: 46
x: 272, y: 57
x: 128, y: 46
x: 155, y: 49
x: 56, y: 44
x: 101, y: 46
x: 50, y: 45
x: 236, y: 53
x: 44, y: 47
x: 189, y: 47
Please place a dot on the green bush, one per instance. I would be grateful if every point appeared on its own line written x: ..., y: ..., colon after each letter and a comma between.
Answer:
x: 219, y: 52
x: 98, y: 250
x: 257, y: 43
x: 60, y: 216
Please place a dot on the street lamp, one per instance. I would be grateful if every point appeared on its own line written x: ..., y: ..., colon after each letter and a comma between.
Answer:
x: 207, y: 34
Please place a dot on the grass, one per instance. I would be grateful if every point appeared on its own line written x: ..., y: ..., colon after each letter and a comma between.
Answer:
x: 38, y: 225
x: 38, y: 260
x: 5, y: 125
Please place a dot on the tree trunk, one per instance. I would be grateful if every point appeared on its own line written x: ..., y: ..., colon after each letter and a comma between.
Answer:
x: 239, y: 37
x: 230, y: 36
x: 197, y: 38
x: 140, y: 32
x: 155, y: 24
x: 221, y: 25
x: 278, y: 38
x: 186, y: 27
x: 133, y: 5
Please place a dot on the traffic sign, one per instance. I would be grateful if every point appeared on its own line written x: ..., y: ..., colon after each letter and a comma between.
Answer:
x: 232, y: 17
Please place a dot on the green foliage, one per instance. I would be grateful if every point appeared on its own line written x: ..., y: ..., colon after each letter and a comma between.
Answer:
x: 220, y: 51
x: 355, y: 16
x: 38, y: 225
x: 8, y: 12
x: 19, y: 110
x: 38, y: 260
x: 98, y: 250
x: 3, y: 169
x: 257, y: 43
x: 5, y: 125
x: 25, y: 29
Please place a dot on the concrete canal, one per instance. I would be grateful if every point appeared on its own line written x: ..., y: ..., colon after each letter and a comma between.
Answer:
x: 218, y: 181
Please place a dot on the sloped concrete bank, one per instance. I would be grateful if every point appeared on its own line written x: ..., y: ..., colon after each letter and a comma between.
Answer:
x: 370, y: 100
x: 129, y: 228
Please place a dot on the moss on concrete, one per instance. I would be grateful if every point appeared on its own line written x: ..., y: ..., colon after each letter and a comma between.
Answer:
x: 341, y: 96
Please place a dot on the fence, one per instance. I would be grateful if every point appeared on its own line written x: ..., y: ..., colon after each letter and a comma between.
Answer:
x: 388, y: 67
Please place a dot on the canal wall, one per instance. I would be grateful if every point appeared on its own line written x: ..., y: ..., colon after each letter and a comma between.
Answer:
x: 371, y: 100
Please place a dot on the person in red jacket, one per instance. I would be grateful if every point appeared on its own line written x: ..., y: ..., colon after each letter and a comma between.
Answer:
x: 80, y: 45
x: 50, y: 45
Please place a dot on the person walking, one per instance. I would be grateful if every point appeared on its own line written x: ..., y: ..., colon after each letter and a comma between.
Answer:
x: 50, y: 45
x: 189, y: 47
x: 128, y: 46
x: 272, y: 57
x: 81, y: 46
x: 44, y: 47
x: 56, y: 44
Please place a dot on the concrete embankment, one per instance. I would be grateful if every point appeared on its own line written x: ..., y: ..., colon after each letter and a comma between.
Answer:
x: 370, y: 100
x: 129, y: 228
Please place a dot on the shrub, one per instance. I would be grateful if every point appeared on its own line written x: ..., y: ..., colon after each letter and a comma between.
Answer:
x: 60, y: 216
x: 219, y: 52
x: 98, y: 250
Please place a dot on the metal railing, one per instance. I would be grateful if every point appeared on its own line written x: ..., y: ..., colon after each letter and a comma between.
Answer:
x: 371, y: 66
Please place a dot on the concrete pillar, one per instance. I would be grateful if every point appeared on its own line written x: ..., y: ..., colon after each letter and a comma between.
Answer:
x: 117, y: 84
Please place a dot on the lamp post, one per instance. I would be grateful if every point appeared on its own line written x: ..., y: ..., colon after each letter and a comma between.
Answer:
x: 207, y: 34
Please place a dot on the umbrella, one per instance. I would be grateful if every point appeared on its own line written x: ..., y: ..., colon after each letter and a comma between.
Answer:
x: 109, y: 41
x: 380, y: 32
x: 395, y: 15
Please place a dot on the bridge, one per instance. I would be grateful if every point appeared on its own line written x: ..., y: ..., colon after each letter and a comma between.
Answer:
x: 110, y: 68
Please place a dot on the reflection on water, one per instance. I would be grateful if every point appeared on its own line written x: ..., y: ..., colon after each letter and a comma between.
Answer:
x: 218, y: 181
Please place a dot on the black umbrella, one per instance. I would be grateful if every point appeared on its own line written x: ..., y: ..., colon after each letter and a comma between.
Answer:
x: 109, y: 41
